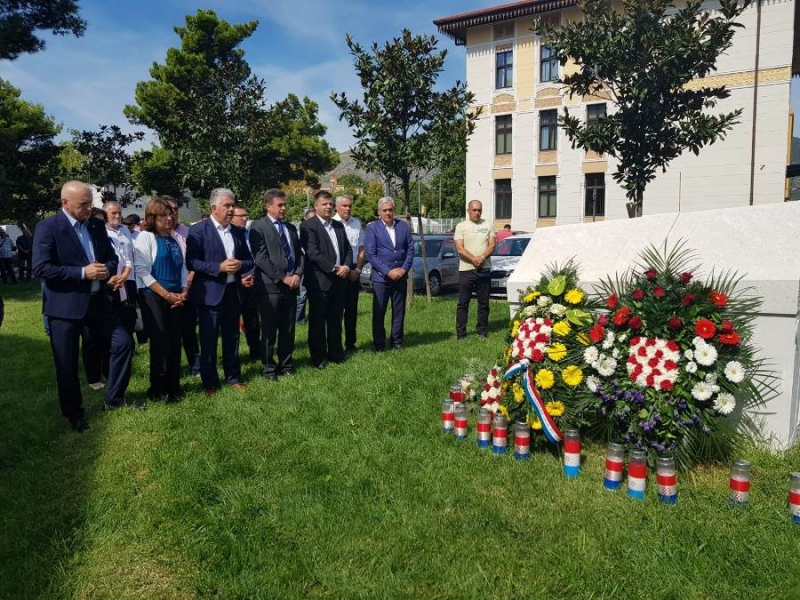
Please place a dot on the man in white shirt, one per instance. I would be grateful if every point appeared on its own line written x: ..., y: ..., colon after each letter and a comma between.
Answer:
x: 474, y: 239
x: 352, y: 228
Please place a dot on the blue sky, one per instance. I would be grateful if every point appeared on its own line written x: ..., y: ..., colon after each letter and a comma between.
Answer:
x: 298, y: 48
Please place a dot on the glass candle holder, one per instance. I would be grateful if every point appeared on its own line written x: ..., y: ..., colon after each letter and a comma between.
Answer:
x: 499, y: 434
x: 484, y: 428
x: 740, y: 482
x: 794, y: 497
x: 460, y: 430
x: 637, y: 474
x: 667, y: 478
x: 522, y: 440
x: 457, y: 393
x: 448, y: 416
x: 572, y: 453
x: 615, y: 456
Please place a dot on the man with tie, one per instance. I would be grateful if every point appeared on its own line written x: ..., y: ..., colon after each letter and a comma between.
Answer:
x: 74, y: 258
x: 218, y: 254
x: 279, y: 267
x: 352, y: 227
x: 327, y: 255
x: 390, y: 251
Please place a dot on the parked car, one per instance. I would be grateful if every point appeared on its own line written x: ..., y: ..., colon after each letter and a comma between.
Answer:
x: 505, y: 258
x: 442, y: 264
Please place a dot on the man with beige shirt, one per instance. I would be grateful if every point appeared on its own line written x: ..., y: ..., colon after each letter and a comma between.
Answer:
x: 475, y: 240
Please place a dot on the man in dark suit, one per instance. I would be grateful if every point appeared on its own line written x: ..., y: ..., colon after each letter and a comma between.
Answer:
x: 217, y: 252
x: 327, y: 254
x: 74, y: 258
x: 279, y: 268
x: 390, y: 251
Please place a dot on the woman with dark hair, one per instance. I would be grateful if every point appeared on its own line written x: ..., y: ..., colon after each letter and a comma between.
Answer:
x: 161, y: 279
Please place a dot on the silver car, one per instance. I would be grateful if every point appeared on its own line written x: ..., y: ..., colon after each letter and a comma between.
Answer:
x: 505, y: 258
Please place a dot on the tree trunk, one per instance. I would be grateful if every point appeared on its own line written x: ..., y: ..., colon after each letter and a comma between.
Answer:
x: 424, y: 257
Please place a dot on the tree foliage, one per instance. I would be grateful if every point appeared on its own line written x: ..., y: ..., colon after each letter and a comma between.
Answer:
x: 155, y: 171
x: 29, y: 159
x: 106, y: 158
x: 643, y: 57
x: 211, y: 114
x: 21, y: 19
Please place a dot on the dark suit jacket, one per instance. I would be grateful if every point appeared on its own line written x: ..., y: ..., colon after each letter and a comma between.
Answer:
x: 204, y: 253
x: 270, y: 258
x: 321, y: 255
x: 382, y: 255
x: 59, y: 259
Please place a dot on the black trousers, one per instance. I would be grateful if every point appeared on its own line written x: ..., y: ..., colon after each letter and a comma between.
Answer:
x: 218, y: 321
x: 65, y: 334
x: 164, y: 327
x: 278, y: 312
x: 325, y: 308
x: 351, y: 292
x: 25, y: 267
x: 7, y: 270
x: 251, y: 321
x: 383, y: 293
x: 468, y: 281
x: 191, y: 345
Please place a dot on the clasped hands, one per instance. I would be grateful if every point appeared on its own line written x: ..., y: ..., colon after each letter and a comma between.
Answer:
x: 396, y: 273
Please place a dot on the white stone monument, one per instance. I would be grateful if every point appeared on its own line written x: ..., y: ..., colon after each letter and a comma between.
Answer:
x: 760, y: 243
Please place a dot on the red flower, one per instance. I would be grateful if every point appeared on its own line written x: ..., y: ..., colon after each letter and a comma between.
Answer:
x: 670, y: 365
x: 487, y: 387
x: 658, y: 292
x: 705, y: 329
x: 651, y: 274
x: 602, y: 320
x: 635, y: 340
x: 672, y: 345
x: 666, y: 385
x: 642, y: 351
x: 621, y: 316
x: 731, y: 339
x: 632, y: 360
x: 687, y: 300
x: 541, y: 338
x: 612, y: 302
x: 635, y: 322
x: 537, y: 356
x: 675, y: 323
x: 726, y: 327
x: 548, y: 322
x: 651, y: 379
x: 719, y: 299
x: 637, y: 294
x: 596, y: 333
x: 650, y: 342
x: 653, y: 362
x: 686, y: 277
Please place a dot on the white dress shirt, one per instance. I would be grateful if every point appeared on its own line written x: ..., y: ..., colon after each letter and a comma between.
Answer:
x: 391, y: 232
x: 227, y: 241
x: 332, y: 234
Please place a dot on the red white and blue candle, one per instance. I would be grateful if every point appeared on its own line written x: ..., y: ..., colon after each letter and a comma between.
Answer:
x: 740, y: 482
x: 499, y: 434
x: 457, y: 393
x: 794, y: 497
x: 615, y: 457
x: 572, y: 453
x: 484, y: 428
x: 460, y: 430
x: 448, y: 416
x: 637, y: 474
x: 667, y: 479
x: 522, y: 440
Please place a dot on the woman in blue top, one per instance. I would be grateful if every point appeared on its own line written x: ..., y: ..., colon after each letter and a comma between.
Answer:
x: 161, y: 278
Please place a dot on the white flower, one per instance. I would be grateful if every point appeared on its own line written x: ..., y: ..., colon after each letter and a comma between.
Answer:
x: 592, y: 383
x: 698, y: 341
x: 590, y: 355
x: 734, y: 371
x: 558, y: 309
x: 528, y: 311
x: 492, y: 408
x: 609, y: 341
x: 689, y: 355
x: 622, y: 337
x: 606, y: 366
x: 711, y: 378
x: 615, y: 353
x: 544, y: 301
x: 691, y: 367
x: 706, y: 355
x: 715, y: 388
x: 724, y: 403
x: 702, y: 391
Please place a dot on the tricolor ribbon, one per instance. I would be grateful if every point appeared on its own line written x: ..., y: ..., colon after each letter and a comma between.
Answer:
x: 549, y: 427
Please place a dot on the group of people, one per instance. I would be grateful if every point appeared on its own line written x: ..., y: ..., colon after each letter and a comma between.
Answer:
x: 203, y: 278
x: 24, y: 256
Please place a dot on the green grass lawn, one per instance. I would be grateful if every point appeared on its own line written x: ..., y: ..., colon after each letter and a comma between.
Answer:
x: 339, y: 484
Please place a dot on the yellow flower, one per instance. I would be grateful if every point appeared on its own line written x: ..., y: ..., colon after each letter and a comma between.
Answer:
x: 519, y: 393
x: 572, y: 375
x: 545, y: 379
x: 574, y: 296
x: 562, y: 328
x: 515, y: 329
x: 507, y: 354
x: 535, y: 423
x: 504, y: 387
x: 584, y: 339
x: 503, y: 411
x: 557, y: 352
x: 531, y: 297
x: 555, y: 408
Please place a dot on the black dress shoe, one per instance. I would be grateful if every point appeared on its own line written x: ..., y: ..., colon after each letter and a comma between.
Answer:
x: 114, y: 404
x: 286, y: 373
x: 79, y: 425
x: 323, y: 364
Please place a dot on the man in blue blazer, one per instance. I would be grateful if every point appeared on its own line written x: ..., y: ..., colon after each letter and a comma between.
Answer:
x: 74, y: 258
x: 390, y: 251
x: 217, y: 252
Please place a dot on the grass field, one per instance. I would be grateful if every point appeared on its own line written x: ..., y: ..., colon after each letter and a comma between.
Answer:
x: 339, y: 484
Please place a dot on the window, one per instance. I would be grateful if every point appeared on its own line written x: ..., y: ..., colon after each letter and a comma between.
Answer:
x: 595, y: 112
x: 503, y: 129
x: 548, y: 64
x: 595, y: 195
x: 505, y: 69
x: 548, y: 129
x: 547, y: 197
x: 502, y: 199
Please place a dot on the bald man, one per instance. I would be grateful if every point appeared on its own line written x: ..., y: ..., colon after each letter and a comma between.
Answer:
x: 475, y: 242
x: 74, y: 258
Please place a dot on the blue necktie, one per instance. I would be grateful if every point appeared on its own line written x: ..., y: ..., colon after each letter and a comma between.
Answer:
x: 81, y: 229
x: 287, y: 250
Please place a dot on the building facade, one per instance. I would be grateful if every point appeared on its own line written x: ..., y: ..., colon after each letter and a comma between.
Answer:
x: 523, y: 168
